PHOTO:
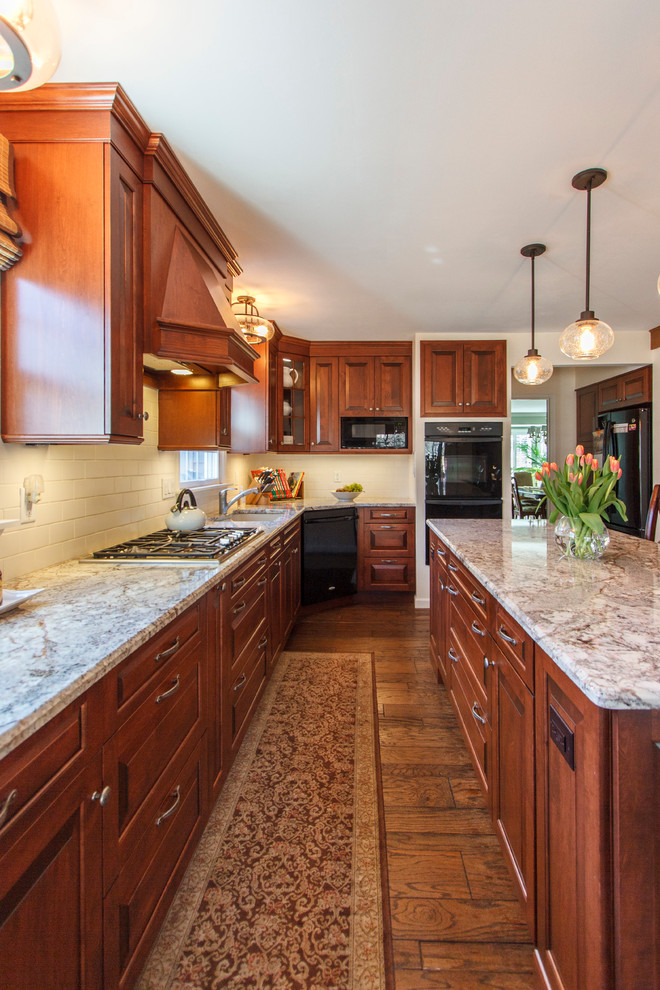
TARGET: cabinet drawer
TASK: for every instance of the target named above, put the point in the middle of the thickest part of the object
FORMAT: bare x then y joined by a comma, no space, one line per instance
174,814
387,574
471,715
515,644
472,642
462,581
41,766
246,685
247,575
247,620
148,660
396,513
169,715
389,538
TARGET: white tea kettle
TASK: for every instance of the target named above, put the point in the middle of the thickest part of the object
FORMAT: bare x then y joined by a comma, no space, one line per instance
184,515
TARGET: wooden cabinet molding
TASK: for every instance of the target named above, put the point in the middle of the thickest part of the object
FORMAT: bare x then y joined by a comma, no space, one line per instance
463,378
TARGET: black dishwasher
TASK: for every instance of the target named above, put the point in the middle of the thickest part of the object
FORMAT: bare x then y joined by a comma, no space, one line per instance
329,554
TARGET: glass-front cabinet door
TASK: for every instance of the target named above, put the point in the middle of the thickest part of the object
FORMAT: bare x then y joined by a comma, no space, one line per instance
294,391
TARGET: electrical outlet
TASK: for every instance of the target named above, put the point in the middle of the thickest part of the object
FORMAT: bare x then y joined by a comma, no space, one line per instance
337,475
168,487
26,508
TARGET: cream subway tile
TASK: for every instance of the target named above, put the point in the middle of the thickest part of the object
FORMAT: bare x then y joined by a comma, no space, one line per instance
61,532
47,512
73,509
93,486
138,483
103,503
23,563
100,469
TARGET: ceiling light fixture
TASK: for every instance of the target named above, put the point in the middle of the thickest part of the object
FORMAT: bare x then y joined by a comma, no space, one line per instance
29,43
532,369
255,328
588,337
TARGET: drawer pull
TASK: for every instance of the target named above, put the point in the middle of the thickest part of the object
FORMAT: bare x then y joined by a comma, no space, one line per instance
488,663
452,567
102,796
389,561
7,803
507,639
170,692
477,630
172,808
168,652
262,642
477,599
276,546
262,560
452,655
262,581
238,583
451,590
441,553
239,608
385,515
240,682
387,527
478,717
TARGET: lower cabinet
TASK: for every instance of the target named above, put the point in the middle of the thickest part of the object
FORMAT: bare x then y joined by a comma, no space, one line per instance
101,808
386,549
573,791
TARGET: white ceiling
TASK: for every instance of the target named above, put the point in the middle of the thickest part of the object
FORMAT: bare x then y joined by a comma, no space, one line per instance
378,164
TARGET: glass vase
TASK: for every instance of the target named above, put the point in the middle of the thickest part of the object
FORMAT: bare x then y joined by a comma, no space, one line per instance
576,539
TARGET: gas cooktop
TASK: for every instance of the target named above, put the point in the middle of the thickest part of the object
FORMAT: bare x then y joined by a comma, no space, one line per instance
202,546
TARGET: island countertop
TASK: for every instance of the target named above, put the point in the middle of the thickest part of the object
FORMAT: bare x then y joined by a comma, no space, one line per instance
598,620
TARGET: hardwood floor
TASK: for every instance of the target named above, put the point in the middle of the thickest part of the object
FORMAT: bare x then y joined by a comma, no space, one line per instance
456,921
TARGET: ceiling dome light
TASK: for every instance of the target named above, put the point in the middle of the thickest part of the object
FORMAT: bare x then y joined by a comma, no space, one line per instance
29,44
255,328
588,337
532,369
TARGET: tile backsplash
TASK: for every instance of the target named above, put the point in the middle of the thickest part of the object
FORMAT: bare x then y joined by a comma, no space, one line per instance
94,495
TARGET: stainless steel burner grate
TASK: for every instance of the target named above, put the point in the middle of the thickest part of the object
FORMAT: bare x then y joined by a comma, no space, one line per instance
202,545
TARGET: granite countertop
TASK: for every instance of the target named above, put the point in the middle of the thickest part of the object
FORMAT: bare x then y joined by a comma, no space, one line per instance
598,620
90,616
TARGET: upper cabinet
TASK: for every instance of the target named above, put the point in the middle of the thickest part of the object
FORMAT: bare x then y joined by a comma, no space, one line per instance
194,416
632,388
324,403
72,316
463,378
375,384
293,402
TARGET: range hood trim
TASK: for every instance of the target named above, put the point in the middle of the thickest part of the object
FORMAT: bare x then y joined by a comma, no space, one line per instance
222,351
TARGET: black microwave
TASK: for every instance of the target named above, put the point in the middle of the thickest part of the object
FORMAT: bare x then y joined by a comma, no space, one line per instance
374,433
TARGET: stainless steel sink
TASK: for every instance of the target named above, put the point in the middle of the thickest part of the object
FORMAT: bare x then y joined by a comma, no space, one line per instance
251,513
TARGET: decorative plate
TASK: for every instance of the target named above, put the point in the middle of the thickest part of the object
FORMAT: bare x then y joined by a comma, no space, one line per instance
11,599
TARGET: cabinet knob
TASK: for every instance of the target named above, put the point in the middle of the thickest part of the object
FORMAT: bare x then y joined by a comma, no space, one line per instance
144,416
311,443
467,403
460,403
102,796
488,663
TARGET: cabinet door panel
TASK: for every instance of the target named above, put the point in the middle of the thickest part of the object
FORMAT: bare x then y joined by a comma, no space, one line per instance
188,419
636,386
586,411
442,383
324,403
51,894
392,385
356,386
124,289
608,394
484,378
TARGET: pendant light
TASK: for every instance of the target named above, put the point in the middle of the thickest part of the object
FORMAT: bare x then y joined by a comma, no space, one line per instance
532,369
255,328
588,337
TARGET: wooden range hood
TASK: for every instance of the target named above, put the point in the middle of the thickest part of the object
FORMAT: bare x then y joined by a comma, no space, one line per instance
189,270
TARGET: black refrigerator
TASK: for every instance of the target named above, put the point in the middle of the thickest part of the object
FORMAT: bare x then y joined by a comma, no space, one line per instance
626,433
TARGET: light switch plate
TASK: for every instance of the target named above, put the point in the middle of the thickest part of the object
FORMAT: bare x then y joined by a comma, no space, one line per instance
168,487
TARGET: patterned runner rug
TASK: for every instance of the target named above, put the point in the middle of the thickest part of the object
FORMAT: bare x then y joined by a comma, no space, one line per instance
285,888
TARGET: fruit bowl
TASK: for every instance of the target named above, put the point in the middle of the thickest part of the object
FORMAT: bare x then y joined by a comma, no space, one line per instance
345,496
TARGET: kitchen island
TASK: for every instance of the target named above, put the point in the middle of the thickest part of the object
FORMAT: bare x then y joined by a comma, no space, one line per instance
553,668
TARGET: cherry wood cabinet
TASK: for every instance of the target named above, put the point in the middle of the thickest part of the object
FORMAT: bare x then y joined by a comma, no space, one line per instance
631,388
324,404
292,401
194,418
439,606
463,378
374,384
386,549
73,304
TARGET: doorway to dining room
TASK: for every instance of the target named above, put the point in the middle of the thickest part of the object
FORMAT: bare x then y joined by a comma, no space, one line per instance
529,435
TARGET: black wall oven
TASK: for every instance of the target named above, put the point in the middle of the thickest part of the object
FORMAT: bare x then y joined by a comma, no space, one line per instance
463,470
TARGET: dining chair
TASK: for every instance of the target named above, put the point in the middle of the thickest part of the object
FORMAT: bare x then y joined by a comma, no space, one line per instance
522,506
652,514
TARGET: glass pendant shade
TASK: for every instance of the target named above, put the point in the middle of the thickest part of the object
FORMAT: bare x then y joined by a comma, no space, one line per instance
587,338
29,43
255,328
533,369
